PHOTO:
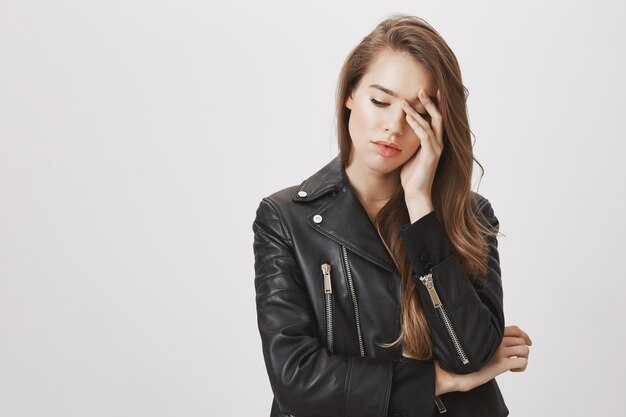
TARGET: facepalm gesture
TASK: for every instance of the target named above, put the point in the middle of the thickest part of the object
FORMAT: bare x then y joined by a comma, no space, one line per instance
418,173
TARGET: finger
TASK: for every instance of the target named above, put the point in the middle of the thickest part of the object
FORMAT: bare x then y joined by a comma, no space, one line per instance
433,111
521,351
425,137
431,108
516,331
518,364
513,341
417,122
420,125
422,122
418,128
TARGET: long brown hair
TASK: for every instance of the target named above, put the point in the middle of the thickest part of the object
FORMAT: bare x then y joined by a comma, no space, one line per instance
451,190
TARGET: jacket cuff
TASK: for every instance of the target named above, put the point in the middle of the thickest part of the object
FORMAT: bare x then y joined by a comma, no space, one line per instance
412,388
428,248
426,243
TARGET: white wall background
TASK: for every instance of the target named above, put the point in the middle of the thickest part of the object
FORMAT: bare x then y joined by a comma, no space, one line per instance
137,138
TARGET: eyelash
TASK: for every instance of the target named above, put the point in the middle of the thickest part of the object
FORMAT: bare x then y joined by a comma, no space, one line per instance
380,104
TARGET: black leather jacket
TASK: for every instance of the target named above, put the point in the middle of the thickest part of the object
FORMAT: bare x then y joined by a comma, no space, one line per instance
327,291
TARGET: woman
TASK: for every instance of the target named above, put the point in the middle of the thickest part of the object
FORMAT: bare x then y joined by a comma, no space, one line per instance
378,283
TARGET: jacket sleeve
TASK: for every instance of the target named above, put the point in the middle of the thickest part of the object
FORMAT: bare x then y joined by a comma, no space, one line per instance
468,327
305,377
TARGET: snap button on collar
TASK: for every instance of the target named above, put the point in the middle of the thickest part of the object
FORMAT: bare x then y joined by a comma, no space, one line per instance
317,218
302,193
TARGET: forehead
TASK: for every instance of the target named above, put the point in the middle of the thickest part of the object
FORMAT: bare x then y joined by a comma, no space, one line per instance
400,73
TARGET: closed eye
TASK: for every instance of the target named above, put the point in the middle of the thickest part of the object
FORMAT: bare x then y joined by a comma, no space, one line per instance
381,104
378,103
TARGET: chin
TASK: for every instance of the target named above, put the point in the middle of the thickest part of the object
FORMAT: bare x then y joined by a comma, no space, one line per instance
380,164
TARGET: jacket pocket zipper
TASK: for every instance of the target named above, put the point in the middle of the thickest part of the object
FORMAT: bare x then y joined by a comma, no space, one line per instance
328,294
427,280
354,300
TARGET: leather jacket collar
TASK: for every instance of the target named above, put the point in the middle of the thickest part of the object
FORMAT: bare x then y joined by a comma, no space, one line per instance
342,218
331,177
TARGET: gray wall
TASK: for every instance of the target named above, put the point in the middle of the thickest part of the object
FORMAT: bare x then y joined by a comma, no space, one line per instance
137,138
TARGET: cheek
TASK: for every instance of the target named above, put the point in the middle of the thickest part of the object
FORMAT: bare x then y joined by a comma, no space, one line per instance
363,120
410,147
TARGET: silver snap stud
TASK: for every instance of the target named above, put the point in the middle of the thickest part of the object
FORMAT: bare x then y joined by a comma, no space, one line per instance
302,193
317,218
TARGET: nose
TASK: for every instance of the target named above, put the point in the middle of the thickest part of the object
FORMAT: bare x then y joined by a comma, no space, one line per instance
395,122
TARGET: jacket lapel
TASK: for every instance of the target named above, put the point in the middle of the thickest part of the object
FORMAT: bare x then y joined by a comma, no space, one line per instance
342,218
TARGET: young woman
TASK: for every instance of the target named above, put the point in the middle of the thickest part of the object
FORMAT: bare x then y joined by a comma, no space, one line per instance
378,283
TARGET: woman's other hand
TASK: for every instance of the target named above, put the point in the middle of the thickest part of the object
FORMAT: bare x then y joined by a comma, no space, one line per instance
512,355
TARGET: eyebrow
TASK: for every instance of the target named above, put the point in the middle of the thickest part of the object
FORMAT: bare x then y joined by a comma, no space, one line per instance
394,94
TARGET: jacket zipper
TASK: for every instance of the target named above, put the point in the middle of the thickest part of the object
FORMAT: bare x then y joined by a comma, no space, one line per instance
440,407
354,301
427,280
328,294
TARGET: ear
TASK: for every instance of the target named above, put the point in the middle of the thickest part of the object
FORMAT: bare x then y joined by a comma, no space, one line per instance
349,102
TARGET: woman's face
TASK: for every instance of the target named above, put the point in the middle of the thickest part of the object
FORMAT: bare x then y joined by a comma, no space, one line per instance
376,114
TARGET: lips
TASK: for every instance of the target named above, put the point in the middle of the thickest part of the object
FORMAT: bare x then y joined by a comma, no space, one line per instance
388,144
385,151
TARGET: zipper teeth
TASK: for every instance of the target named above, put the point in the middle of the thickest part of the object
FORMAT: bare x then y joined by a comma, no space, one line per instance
427,280
353,294
455,339
329,322
328,293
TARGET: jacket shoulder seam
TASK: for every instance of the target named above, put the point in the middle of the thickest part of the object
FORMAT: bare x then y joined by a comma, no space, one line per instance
279,293
281,217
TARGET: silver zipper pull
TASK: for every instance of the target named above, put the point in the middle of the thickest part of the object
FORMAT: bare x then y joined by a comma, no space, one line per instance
326,270
427,280
440,406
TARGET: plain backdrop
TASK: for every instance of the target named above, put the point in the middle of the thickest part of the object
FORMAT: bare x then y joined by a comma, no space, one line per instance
138,137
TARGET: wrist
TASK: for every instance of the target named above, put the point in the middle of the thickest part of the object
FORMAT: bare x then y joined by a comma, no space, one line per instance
418,207
445,381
